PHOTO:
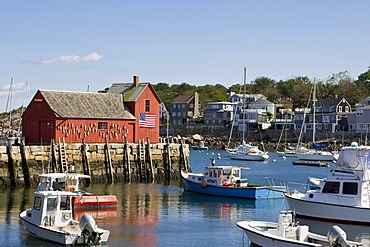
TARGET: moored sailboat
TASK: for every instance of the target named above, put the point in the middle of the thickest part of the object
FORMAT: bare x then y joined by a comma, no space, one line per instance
246,151
316,153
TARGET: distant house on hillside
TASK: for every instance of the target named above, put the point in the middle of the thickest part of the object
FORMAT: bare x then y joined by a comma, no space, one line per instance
249,98
283,105
75,116
219,113
186,109
144,103
359,121
331,114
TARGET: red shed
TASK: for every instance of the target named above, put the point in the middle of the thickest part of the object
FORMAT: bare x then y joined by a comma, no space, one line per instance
144,103
76,116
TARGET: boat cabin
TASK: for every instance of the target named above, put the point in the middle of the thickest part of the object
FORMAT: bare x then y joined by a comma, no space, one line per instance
61,181
347,184
51,208
224,176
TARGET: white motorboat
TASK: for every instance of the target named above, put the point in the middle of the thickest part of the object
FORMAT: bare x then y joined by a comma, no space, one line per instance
72,182
51,219
342,196
288,233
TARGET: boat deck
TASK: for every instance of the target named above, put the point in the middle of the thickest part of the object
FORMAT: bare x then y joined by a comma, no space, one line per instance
311,163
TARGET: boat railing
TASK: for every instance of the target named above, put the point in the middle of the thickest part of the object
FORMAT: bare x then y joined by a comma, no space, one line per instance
289,186
276,183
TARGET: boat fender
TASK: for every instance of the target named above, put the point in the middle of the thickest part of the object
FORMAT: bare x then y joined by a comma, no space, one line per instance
203,185
71,188
337,237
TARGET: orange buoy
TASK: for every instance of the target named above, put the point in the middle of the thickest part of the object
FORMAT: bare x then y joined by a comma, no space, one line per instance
203,185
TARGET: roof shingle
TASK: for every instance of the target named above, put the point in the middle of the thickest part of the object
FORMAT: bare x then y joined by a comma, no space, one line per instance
87,105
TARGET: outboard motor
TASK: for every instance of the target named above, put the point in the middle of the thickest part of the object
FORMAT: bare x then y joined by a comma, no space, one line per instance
337,237
90,230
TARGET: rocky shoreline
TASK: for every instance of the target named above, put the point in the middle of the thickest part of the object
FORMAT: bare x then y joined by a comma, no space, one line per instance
214,143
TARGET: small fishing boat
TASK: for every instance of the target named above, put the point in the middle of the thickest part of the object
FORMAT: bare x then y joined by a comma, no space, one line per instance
226,181
200,146
51,219
71,182
288,233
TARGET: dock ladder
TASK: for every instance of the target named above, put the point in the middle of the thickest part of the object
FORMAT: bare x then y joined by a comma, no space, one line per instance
142,161
62,156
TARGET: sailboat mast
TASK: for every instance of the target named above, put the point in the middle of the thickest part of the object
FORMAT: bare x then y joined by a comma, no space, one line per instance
245,87
314,112
9,104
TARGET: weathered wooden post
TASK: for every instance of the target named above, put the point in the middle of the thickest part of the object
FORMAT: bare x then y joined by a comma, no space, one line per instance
108,162
26,173
53,156
169,166
85,161
182,163
150,161
9,151
126,162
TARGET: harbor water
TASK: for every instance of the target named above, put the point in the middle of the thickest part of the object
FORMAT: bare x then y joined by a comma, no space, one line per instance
163,215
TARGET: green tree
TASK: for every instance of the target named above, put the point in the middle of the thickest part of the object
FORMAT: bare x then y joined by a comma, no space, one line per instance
212,93
364,78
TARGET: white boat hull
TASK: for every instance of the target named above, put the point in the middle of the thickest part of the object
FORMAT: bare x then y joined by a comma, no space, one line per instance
332,212
262,238
251,157
316,156
265,233
51,234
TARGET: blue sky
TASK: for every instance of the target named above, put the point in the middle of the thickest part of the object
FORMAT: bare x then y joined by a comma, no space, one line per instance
75,45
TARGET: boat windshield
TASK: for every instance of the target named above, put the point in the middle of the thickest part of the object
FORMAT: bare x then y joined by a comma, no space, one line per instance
52,203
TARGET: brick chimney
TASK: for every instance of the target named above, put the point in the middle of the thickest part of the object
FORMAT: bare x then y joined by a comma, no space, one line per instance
136,80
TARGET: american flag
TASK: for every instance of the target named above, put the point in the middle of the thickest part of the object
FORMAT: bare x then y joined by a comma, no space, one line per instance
147,120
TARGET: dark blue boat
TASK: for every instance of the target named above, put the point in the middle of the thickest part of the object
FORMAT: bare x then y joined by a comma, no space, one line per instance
226,181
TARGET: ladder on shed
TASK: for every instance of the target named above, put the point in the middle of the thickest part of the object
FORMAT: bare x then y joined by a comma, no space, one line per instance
62,156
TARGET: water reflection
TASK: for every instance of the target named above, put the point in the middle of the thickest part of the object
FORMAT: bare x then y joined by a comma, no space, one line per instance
9,205
218,207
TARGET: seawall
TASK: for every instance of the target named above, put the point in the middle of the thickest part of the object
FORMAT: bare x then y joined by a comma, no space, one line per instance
130,162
